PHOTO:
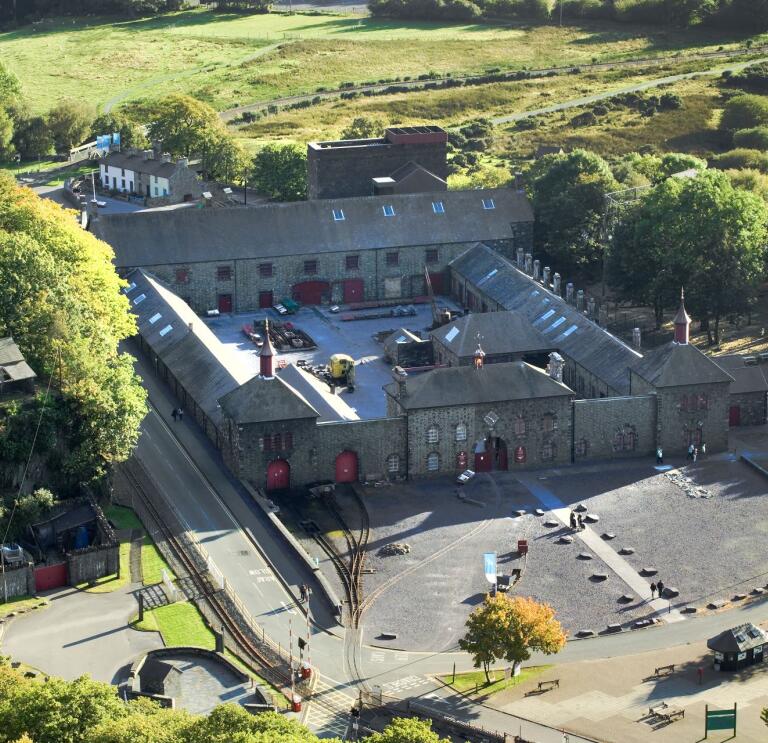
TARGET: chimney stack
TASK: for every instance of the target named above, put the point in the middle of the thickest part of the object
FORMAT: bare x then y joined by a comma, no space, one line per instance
479,357
682,322
266,355
591,308
183,162
555,366
528,263
165,157
520,258
569,292
556,284
636,338
148,155
401,377
580,300
545,277
537,270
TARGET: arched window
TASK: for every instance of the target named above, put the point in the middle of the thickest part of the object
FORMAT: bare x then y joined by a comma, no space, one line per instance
461,432
393,464
520,426
433,462
433,435
520,455
548,423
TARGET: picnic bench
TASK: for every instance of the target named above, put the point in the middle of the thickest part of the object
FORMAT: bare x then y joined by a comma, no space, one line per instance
547,685
664,670
664,712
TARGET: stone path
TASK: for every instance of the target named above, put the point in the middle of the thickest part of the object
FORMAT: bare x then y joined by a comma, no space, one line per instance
604,551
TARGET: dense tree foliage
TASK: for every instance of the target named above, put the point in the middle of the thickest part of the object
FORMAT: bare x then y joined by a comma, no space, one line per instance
131,133
745,112
60,300
702,233
69,123
407,730
750,15
568,193
363,127
508,628
183,125
280,172
21,10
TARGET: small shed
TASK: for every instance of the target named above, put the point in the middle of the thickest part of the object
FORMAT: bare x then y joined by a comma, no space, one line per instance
738,647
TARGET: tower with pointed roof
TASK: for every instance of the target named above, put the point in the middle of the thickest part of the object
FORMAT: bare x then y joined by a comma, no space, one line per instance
682,322
266,355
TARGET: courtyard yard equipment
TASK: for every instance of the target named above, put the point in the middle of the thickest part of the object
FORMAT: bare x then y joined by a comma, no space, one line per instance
465,477
666,712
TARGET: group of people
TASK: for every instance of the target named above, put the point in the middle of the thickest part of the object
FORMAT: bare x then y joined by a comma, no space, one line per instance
577,521
693,451
177,414
657,587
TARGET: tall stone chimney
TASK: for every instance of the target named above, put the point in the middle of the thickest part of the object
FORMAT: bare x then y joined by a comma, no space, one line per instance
520,258
545,277
528,263
591,308
580,300
537,270
556,284
636,338
569,292
682,322
555,366
401,377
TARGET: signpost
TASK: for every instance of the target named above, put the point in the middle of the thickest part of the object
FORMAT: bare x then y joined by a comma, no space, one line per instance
489,564
720,719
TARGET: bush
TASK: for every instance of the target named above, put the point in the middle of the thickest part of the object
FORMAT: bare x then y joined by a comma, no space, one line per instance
670,101
527,123
584,119
600,111
755,138
741,158
745,112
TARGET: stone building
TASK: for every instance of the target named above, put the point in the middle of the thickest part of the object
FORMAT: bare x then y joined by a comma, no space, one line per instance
352,167
150,174
316,252
748,398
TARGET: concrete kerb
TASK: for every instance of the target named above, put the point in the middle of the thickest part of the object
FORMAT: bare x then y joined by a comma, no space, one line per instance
752,463
328,591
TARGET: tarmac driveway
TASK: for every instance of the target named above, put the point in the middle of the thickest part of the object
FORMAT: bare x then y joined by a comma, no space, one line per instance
79,633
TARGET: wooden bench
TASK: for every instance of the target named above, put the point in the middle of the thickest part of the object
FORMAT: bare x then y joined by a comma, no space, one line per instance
657,709
665,670
547,685
672,713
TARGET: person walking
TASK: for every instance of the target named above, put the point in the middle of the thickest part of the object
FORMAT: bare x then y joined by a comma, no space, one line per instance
690,451
659,455
573,519
174,414
660,589
695,454
703,449
653,591
180,413
580,522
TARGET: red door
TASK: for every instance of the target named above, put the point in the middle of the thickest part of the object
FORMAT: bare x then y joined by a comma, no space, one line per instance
51,576
266,300
438,282
734,416
311,292
354,290
482,461
278,475
346,467
225,303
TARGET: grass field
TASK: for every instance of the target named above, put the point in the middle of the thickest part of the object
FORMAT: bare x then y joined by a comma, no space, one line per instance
21,603
474,682
233,59
179,624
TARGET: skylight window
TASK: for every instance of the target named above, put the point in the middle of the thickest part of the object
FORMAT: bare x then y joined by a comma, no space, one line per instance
451,334
167,329
389,210
154,318
128,289
139,299
438,207
556,324
338,215
546,315
488,276
570,330
488,204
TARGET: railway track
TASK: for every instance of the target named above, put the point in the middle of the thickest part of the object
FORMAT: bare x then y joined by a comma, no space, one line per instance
276,676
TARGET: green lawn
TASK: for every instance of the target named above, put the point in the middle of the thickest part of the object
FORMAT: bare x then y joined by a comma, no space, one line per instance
468,683
179,624
20,603
230,59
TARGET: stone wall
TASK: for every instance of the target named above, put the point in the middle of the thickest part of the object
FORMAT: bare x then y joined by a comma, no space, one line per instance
17,580
752,406
584,382
678,424
374,441
614,427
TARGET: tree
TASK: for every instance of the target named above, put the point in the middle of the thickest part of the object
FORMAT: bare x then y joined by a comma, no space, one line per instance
280,172
69,123
32,138
363,127
700,232
568,193
60,299
10,88
745,112
183,125
509,628
131,133
6,135
407,730
224,158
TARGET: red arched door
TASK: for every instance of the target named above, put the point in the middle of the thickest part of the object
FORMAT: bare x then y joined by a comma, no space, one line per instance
346,467
278,475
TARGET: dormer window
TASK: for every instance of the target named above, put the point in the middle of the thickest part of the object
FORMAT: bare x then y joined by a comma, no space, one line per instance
488,204
338,215
389,210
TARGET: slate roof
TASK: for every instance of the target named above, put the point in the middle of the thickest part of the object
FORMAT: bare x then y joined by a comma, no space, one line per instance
561,324
500,333
195,356
677,365
738,639
298,228
138,164
465,385
266,400
746,379
12,363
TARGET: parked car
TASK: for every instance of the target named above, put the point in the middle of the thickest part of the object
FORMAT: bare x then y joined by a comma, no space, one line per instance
465,477
11,553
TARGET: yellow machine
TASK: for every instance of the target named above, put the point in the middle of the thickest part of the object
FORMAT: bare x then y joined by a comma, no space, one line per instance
342,368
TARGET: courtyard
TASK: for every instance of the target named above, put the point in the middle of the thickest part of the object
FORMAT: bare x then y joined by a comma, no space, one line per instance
697,527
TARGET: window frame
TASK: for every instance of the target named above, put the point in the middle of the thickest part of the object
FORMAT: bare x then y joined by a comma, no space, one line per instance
266,270
311,267
224,273
488,204
352,262
338,215
433,456
460,432
389,210
392,258
438,207
431,256
433,435
393,458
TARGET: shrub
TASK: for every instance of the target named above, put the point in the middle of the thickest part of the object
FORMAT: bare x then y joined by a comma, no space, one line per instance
741,158
755,138
670,101
584,119
527,123
745,112
600,111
